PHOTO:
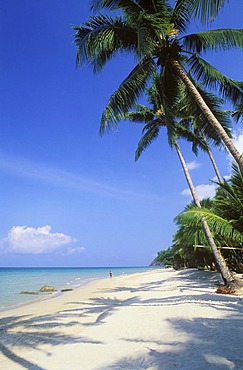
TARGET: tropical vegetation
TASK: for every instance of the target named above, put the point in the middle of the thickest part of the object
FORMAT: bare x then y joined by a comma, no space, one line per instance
154,32
170,62
224,215
186,126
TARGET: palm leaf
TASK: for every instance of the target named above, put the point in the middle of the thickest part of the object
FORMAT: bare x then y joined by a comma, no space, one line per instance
166,87
127,93
217,224
228,202
205,10
152,133
128,5
180,15
188,108
214,40
212,78
142,114
100,39
238,113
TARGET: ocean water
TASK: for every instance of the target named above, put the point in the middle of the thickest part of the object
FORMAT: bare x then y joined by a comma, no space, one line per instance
15,280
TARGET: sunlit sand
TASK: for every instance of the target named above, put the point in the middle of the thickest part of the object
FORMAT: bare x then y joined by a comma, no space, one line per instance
160,319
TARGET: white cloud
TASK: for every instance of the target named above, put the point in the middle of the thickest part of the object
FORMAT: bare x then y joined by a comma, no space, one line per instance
71,250
24,239
227,177
193,165
238,141
203,191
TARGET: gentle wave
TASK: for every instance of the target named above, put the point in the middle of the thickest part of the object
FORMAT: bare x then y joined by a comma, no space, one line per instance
15,280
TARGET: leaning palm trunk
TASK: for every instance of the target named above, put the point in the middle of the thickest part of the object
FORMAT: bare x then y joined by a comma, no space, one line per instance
209,115
210,154
226,275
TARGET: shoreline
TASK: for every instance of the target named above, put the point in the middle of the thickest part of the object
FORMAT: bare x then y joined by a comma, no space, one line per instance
44,296
159,319
88,283
60,278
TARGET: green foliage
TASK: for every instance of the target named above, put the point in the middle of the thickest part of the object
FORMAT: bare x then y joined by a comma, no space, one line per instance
228,202
166,257
219,226
224,215
205,10
238,113
154,33
212,78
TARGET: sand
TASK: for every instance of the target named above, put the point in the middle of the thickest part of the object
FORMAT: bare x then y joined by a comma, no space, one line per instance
160,319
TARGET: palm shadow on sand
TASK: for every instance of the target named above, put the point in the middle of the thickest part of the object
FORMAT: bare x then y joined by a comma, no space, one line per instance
218,349
211,343
100,308
26,332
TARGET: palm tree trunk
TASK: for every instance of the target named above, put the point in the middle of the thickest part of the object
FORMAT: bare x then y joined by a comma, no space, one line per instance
226,275
208,114
210,154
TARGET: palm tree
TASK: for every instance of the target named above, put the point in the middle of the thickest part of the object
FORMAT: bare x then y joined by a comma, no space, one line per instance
228,202
190,113
210,154
155,118
155,33
223,215
188,238
227,277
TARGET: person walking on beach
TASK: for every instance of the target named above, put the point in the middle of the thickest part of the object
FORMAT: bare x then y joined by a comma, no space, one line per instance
110,274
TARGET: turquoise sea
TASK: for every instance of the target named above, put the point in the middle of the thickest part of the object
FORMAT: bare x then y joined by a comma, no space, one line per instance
15,280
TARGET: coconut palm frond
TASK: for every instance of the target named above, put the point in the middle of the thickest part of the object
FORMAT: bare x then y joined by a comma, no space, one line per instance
167,85
188,108
102,37
129,5
214,40
124,98
212,78
181,15
237,114
183,129
228,202
142,114
205,10
217,224
151,133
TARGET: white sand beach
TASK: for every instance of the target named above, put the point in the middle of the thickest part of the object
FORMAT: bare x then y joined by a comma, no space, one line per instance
160,319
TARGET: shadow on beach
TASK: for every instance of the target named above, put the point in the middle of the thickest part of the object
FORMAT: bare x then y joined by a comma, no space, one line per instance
211,345
98,309
200,343
25,332
198,280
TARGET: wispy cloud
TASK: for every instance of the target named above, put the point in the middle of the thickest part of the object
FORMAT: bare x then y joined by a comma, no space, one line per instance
72,250
193,165
238,142
30,240
65,179
51,175
203,191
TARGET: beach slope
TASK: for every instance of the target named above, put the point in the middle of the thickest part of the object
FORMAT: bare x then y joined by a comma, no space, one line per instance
160,319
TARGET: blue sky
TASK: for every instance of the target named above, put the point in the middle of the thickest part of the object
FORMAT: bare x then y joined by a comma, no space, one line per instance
67,196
